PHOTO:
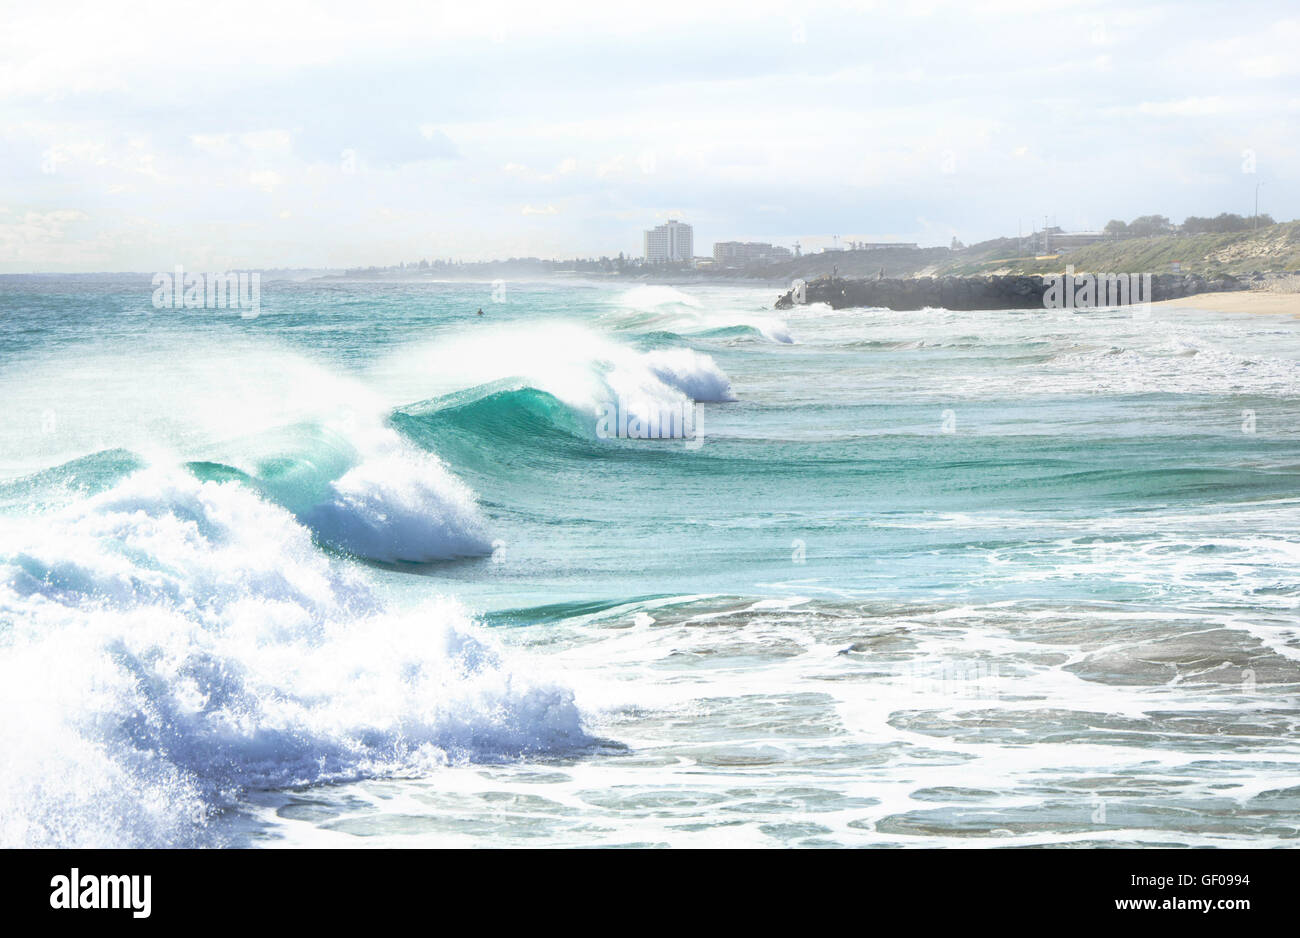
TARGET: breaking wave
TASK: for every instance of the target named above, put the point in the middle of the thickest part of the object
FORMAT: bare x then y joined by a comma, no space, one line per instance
173,643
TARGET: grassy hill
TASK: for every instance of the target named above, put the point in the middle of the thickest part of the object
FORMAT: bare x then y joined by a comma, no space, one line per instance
1273,248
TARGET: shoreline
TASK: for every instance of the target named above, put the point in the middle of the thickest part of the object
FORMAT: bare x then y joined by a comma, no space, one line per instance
1258,302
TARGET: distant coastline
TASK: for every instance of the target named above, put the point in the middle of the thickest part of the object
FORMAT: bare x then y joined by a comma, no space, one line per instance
1272,249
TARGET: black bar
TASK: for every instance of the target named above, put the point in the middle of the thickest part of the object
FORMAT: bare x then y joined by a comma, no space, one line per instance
297,888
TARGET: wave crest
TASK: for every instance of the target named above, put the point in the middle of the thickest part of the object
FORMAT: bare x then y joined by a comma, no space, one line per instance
695,375
176,642
401,507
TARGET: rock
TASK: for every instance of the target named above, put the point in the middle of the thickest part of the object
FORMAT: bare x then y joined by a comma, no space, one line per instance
961,293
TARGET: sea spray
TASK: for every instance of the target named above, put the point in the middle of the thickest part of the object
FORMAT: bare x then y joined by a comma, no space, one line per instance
587,371
173,643
401,506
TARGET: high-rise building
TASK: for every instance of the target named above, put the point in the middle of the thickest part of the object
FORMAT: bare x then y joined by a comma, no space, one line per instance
673,242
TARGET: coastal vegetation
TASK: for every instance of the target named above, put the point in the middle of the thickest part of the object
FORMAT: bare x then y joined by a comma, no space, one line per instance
1270,248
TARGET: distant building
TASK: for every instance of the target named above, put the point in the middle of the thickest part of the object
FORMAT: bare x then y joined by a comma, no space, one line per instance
672,243
1053,240
744,253
880,245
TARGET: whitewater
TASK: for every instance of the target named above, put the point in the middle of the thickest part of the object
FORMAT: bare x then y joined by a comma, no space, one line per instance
363,570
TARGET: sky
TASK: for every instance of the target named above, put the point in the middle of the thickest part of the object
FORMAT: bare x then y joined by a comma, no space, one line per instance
339,134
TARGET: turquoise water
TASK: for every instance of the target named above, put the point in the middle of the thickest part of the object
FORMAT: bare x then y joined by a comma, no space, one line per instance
367,569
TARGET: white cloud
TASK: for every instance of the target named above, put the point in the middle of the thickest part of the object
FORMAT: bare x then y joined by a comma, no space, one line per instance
265,179
1185,107
37,230
575,109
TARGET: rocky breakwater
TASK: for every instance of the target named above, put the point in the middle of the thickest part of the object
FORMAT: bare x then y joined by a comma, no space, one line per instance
1001,292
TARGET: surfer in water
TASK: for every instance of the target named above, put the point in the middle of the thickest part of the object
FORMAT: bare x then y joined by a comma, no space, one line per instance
480,311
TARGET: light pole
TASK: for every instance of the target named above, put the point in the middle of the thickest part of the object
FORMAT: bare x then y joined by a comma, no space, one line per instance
1255,226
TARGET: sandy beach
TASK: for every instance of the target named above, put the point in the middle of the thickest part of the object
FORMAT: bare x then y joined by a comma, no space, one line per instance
1241,301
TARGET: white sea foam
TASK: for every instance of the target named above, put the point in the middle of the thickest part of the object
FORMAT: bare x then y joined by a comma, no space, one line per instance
401,506
585,370
774,329
172,643
177,396
652,296
1059,352
695,375
359,486
695,322
651,308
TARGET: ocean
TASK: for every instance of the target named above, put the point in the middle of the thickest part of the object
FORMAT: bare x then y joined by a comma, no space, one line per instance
369,569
